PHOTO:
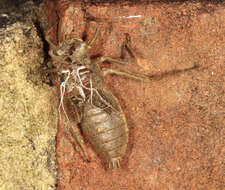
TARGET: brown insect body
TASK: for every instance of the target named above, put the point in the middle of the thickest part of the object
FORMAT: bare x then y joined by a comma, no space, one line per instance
103,122
94,107
107,133
97,110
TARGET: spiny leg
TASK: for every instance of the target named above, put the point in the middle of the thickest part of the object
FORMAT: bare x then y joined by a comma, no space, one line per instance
139,77
89,17
78,142
48,39
145,78
97,33
125,47
75,133
114,60
72,130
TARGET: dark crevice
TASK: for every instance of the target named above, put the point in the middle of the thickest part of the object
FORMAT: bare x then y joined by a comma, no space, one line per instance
41,34
45,67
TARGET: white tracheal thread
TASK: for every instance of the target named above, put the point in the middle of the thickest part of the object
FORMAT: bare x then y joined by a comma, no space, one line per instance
62,92
76,76
63,89
91,89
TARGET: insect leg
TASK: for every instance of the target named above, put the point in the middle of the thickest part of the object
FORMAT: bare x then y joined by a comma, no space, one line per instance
47,38
125,47
95,37
135,76
146,78
75,133
115,60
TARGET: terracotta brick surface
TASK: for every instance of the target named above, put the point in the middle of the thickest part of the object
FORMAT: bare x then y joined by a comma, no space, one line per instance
176,124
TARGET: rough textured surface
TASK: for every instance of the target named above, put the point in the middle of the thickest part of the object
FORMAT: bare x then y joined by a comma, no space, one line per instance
28,112
176,124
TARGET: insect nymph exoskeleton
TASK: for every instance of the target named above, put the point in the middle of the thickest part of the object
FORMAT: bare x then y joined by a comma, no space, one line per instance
107,132
96,109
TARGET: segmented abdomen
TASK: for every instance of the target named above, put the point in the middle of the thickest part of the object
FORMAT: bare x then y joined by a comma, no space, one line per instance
107,133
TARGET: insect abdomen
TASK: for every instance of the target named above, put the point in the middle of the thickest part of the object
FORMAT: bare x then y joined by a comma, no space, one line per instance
107,133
